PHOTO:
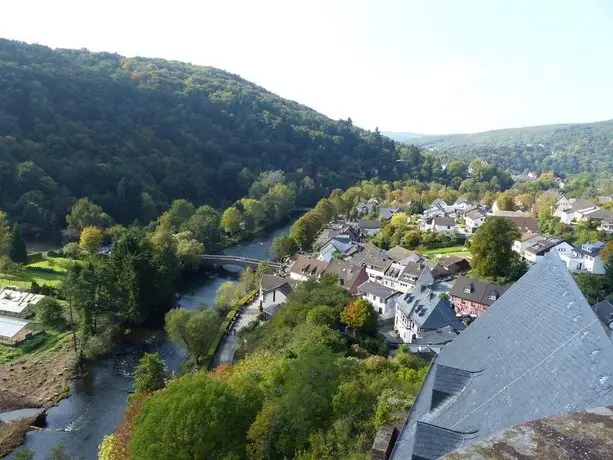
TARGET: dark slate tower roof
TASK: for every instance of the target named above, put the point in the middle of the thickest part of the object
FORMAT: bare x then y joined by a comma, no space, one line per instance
538,351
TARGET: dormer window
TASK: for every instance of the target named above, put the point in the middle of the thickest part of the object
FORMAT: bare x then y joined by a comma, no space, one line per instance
493,296
467,289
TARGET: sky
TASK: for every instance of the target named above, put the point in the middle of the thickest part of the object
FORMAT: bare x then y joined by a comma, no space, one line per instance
431,66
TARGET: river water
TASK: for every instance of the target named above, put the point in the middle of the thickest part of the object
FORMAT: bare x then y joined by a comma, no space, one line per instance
97,401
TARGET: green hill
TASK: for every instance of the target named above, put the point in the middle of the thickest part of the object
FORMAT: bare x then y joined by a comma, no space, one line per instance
133,134
567,149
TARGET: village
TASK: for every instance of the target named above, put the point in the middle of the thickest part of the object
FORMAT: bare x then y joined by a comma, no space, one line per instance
426,300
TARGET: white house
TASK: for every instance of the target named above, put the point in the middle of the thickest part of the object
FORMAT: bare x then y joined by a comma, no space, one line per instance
536,251
585,258
463,204
421,311
439,225
381,298
473,220
576,211
526,239
274,290
400,277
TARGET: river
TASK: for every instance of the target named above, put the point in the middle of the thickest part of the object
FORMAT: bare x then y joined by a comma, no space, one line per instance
97,401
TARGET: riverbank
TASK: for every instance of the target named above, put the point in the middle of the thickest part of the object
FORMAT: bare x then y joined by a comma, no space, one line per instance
36,380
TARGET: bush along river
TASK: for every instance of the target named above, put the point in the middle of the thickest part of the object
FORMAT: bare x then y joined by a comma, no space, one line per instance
97,401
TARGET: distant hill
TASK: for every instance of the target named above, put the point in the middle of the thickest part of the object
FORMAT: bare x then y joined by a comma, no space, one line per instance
133,134
565,148
402,137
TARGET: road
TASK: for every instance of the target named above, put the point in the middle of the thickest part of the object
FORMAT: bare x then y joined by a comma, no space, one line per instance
228,345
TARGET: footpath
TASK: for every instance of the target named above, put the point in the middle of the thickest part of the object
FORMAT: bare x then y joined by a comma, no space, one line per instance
228,345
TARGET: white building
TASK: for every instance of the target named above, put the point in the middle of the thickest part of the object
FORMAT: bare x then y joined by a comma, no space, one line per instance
306,267
536,251
421,311
569,210
439,225
585,258
400,277
473,220
17,303
381,298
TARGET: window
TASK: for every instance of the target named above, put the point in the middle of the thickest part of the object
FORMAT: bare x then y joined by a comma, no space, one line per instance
467,290
493,296
274,294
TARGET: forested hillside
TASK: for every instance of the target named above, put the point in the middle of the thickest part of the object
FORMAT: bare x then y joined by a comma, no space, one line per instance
565,149
133,134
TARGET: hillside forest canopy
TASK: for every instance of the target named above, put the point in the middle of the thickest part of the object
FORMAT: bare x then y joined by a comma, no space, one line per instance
134,134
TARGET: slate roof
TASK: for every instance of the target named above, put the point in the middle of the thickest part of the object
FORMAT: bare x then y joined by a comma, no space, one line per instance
444,221
426,309
377,261
544,245
538,351
480,291
398,253
436,337
475,214
581,204
376,289
599,214
387,213
272,282
463,199
369,224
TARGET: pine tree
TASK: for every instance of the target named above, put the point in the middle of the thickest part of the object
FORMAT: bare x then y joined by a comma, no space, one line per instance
17,247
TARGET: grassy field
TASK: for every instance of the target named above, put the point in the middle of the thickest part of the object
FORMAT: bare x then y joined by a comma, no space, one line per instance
39,272
459,251
38,345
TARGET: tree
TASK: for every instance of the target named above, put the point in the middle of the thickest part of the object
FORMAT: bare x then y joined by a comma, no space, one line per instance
204,227
226,297
149,373
506,202
192,329
323,316
5,234
608,277
607,251
50,313
179,213
18,251
85,213
184,421
231,220
491,248
360,316
283,246
91,239
190,252
399,219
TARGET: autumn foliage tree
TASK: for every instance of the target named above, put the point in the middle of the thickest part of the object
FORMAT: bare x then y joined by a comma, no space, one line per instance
91,239
359,315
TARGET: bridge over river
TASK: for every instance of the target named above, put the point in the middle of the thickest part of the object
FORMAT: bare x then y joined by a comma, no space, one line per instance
244,262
